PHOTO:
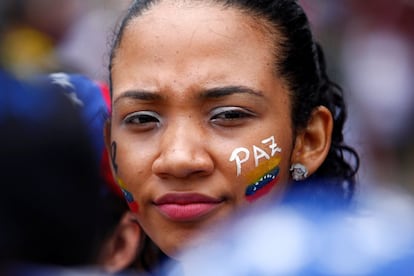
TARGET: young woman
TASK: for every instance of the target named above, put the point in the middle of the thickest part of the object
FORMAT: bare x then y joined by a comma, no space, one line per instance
217,105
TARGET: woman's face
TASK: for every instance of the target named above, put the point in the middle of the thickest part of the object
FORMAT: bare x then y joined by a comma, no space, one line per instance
200,122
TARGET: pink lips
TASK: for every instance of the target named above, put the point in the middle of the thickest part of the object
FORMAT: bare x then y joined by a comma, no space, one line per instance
186,206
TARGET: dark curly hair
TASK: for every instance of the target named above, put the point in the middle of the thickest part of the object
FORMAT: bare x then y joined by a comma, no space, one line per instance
300,61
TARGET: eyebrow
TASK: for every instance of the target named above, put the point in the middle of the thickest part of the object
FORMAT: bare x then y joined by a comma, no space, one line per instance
138,95
224,91
216,92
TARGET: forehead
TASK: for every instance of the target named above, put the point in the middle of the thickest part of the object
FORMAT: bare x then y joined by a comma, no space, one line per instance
172,12
196,20
186,37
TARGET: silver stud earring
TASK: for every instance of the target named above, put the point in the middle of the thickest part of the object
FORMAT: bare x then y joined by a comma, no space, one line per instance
299,172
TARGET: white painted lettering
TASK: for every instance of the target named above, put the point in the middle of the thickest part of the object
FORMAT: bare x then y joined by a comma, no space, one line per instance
259,153
273,146
235,157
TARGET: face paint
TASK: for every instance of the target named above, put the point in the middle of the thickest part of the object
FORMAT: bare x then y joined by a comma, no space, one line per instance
235,157
263,179
133,205
258,153
265,175
273,145
113,156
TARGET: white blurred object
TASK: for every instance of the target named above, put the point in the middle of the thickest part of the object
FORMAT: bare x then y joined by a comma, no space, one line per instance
376,239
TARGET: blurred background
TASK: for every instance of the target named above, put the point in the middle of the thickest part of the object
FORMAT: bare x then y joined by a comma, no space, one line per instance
369,46
43,36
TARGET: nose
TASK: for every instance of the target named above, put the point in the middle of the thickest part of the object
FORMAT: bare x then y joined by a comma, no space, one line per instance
183,153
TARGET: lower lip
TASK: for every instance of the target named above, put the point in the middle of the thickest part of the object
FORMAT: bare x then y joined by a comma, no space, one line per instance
186,212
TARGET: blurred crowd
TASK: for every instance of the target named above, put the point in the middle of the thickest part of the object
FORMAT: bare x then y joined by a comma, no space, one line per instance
44,36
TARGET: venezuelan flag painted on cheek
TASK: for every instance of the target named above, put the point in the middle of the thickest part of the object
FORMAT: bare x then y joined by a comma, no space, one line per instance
262,179
133,205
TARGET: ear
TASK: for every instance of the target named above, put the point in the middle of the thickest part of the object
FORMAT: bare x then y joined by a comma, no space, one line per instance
312,144
122,247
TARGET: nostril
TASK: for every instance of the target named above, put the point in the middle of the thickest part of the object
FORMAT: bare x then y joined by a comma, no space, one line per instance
180,171
201,172
179,165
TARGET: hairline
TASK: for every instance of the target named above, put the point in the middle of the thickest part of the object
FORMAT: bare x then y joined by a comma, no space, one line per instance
271,32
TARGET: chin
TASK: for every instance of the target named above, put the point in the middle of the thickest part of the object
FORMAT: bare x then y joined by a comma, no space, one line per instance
188,241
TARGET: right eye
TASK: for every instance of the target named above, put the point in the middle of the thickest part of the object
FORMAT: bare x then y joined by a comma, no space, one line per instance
143,119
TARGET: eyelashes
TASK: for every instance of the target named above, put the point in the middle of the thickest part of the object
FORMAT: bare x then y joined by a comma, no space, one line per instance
230,113
222,116
142,117
143,120
230,116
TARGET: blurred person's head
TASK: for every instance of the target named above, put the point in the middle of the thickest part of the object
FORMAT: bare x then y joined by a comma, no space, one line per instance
55,207
51,189
92,98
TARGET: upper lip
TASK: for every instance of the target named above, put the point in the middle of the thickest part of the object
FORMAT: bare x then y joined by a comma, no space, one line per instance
183,198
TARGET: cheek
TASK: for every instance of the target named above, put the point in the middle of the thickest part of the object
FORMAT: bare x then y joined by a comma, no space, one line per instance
132,203
258,168
262,179
126,176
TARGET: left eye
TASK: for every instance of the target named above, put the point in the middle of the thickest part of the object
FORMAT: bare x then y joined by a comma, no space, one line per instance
230,115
